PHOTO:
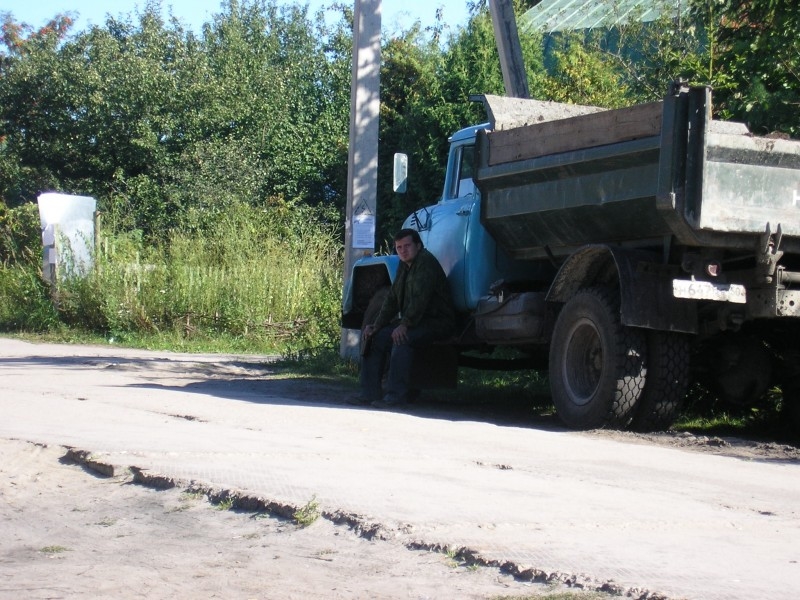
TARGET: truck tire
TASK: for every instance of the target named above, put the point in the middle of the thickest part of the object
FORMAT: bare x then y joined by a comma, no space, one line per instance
597,365
668,377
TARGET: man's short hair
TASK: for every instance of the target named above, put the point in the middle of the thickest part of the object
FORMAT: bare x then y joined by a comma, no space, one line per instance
412,233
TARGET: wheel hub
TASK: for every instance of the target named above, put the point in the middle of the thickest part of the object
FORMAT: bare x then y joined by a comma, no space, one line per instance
584,365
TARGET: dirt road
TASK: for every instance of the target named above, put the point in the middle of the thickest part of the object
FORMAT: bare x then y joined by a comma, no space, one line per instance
644,517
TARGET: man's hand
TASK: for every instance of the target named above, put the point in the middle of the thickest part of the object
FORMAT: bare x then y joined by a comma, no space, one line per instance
400,335
368,331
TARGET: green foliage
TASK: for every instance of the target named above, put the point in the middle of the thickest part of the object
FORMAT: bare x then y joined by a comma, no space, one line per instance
704,413
24,298
320,362
748,52
20,237
53,549
272,276
425,91
757,46
632,62
308,513
162,125
583,75
168,128
225,504
409,123
25,303
673,47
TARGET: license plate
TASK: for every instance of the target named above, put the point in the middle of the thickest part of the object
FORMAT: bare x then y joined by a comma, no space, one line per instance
706,290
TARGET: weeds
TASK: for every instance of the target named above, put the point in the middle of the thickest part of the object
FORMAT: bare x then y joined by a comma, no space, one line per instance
319,362
248,281
307,514
54,549
453,558
226,504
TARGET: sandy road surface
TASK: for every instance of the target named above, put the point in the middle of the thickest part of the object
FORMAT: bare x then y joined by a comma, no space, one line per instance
644,519
68,533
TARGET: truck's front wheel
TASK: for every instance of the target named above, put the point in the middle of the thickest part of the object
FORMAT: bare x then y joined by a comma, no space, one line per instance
597,365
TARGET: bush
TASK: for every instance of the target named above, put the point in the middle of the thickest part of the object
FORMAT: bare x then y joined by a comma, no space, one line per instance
271,276
20,235
24,300
24,297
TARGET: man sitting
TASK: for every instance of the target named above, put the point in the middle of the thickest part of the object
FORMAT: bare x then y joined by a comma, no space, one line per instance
417,311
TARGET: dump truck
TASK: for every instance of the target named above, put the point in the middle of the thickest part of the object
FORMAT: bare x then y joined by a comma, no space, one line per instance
630,252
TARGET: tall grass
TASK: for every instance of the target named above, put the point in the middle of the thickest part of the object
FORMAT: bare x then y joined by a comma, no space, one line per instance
268,279
24,301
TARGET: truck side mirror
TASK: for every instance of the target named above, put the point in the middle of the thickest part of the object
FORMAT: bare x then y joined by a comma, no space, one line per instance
400,177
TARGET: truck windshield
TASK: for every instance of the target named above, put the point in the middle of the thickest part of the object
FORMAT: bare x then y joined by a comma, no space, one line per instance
462,184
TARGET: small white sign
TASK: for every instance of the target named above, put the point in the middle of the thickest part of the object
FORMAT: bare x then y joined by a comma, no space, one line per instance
364,231
363,226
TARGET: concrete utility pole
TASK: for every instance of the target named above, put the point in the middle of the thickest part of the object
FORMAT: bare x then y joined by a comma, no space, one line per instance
362,155
505,34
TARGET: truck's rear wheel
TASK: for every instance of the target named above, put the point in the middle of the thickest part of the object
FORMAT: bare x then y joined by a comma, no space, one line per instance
667,381
597,365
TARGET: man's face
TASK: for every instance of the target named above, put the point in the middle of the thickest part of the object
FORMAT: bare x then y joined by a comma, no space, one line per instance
406,249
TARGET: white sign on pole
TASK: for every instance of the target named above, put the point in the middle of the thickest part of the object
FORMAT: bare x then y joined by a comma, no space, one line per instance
363,226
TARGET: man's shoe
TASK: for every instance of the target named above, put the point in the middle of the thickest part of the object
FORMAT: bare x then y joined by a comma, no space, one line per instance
390,401
358,400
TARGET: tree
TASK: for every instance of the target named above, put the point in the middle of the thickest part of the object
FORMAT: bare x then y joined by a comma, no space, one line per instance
165,127
425,87
25,58
757,46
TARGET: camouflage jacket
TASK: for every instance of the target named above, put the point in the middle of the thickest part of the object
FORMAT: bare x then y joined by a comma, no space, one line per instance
420,297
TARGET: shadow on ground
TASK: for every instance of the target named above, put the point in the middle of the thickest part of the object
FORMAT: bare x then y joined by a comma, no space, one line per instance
258,380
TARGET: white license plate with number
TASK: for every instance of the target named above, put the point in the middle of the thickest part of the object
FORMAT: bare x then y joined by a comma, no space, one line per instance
706,290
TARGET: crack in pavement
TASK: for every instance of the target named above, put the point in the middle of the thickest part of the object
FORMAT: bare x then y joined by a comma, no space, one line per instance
245,502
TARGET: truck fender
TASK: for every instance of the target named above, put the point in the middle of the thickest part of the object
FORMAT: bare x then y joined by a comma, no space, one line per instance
644,283
369,274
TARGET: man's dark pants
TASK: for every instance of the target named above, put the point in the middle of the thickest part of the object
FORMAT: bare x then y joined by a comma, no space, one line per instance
400,358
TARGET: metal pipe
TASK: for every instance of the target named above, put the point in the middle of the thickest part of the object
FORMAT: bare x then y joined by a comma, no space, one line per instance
789,277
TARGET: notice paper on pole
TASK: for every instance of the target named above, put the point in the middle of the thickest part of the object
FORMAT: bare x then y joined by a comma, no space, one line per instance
363,226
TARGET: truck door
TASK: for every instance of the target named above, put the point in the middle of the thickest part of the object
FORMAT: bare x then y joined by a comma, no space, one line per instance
450,219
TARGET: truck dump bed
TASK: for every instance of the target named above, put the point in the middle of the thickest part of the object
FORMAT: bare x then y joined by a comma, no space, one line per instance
636,176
